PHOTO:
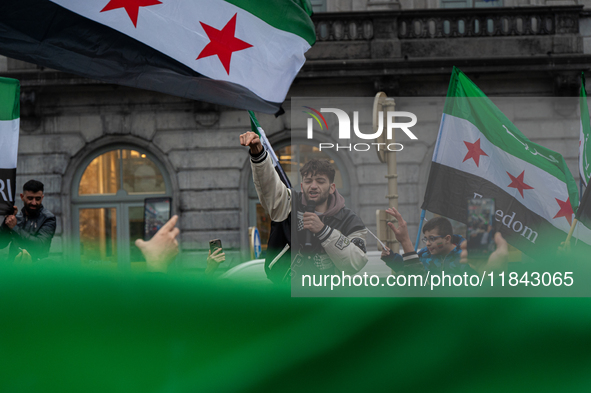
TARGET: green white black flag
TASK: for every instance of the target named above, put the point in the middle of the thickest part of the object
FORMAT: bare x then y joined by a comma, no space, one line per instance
9,131
480,153
585,136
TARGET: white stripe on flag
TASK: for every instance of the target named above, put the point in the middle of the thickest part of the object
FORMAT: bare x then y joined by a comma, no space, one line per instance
173,28
9,143
546,188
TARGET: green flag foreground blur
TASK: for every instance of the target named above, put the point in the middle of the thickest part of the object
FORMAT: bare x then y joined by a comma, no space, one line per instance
65,331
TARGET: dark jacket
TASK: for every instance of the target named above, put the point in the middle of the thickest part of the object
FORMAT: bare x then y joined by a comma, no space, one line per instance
338,247
311,260
31,233
423,261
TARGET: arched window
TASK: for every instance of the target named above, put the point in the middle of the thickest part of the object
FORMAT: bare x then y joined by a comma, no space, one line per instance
293,157
108,204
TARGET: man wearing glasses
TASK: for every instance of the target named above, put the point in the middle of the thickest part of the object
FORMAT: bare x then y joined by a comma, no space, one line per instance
441,252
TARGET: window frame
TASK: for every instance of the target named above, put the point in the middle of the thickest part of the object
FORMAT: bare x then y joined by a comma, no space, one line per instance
121,201
121,195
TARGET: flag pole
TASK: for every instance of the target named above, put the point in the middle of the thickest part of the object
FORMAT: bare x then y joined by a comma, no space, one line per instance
570,233
420,228
256,127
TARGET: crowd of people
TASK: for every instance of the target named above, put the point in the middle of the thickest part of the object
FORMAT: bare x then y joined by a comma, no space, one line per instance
325,237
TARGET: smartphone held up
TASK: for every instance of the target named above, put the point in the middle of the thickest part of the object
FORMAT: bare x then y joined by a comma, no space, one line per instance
157,212
214,245
480,233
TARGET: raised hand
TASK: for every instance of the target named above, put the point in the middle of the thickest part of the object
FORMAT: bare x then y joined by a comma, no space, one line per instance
252,140
401,232
162,248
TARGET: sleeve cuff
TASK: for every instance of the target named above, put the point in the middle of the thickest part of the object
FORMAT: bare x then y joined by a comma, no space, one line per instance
324,233
393,261
410,256
258,158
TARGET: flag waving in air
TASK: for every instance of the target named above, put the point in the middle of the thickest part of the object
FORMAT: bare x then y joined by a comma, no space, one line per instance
239,53
584,136
9,131
480,153
256,128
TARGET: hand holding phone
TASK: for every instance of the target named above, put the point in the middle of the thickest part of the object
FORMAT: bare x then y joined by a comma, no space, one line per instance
215,257
156,214
480,228
214,245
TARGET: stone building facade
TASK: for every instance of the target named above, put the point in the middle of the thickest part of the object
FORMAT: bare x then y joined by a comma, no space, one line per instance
406,49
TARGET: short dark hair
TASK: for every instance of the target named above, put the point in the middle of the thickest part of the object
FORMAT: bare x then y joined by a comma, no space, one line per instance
318,167
441,223
33,186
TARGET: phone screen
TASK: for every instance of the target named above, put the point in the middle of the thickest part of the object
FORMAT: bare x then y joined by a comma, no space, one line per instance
481,229
214,245
156,214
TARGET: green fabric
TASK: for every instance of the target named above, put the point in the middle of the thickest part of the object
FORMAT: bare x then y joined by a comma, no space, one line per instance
82,332
287,15
9,99
586,127
254,123
465,100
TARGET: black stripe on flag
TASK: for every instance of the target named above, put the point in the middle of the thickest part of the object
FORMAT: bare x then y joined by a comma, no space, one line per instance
7,191
584,211
44,33
447,194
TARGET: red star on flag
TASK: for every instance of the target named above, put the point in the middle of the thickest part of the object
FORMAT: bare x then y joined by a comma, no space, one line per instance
131,6
222,43
519,183
566,210
474,152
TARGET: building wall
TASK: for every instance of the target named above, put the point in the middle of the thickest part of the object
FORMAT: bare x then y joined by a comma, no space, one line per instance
368,5
65,120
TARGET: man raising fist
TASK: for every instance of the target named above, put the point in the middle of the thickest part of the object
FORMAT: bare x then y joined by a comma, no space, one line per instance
326,237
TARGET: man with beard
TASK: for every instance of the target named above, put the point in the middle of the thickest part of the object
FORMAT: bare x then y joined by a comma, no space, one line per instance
327,238
30,230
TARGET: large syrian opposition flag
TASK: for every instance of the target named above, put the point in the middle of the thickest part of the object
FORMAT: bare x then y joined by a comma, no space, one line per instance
9,129
584,136
480,153
240,53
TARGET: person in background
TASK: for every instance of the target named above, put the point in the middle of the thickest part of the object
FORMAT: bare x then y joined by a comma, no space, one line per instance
30,231
442,249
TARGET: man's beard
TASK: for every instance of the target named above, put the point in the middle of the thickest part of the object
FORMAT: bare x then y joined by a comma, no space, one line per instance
32,212
319,201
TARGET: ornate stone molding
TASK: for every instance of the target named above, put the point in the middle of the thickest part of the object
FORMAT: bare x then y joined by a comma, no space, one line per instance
498,22
344,29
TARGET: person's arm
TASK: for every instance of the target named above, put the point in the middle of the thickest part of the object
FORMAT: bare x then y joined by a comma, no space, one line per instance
348,253
41,241
497,261
401,232
161,250
214,260
274,196
407,263
412,262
